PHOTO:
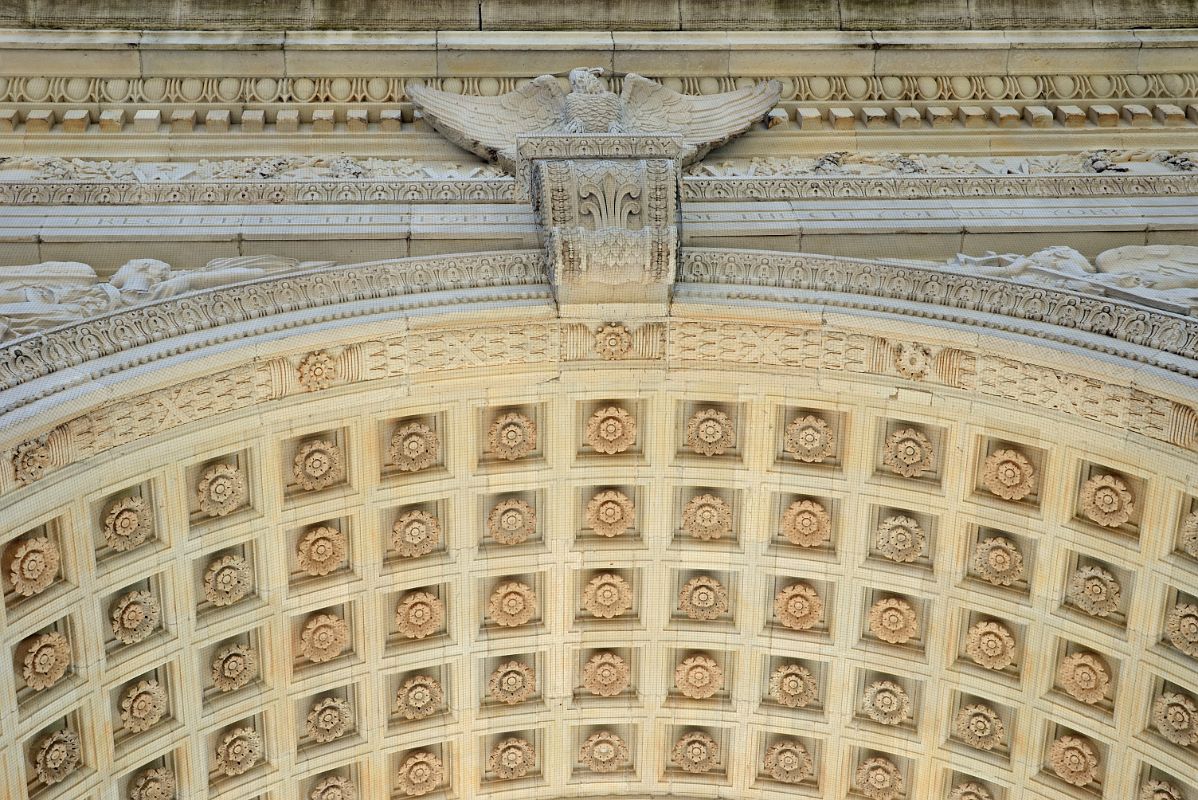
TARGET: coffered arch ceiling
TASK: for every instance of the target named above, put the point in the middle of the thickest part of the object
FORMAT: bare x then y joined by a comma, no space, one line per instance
457,546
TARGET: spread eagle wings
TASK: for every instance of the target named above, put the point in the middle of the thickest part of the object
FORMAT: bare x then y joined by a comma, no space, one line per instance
488,126
704,121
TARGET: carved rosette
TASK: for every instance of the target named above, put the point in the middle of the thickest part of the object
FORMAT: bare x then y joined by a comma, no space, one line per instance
512,758
607,596
44,659
512,604
908,452
57,756
1084,676
886,702
809,439
329,719
1107,500
606,675
416,533
335,787
1094,590
512,522
322,550
1009,475
1189,535
710,432
512,682
998,561
419,614
610,513
806,523
699,677
792,685
603,752
970,791
233,667
613,341
798,606
317,370
1175,716
1181,627
1073,760
420,774
324,637
979,726
703,598
318,465
32,565
512,436
879,779
127,523
239,750
414,447
227,580
912,360
696,752
419,697
707,517
30,460
900,539
611,430
1160,790
893,620
990,645
157,783
134,616
143,705
221,490
788,762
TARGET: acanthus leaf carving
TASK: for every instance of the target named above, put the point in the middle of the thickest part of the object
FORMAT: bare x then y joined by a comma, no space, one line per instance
710,432
707,517
1094,590
1175,716
1107,500
334,787
156,783
990,644
998,561
44,659
900,538
1084,676
227,580
322,550
57,756
798,606
1181,627
1009,474
886,702
128,522
908,452
511,436
221,490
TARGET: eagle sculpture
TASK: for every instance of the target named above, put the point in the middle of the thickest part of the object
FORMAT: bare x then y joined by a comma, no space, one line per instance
489,126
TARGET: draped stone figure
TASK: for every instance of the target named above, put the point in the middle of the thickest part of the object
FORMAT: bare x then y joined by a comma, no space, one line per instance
38,297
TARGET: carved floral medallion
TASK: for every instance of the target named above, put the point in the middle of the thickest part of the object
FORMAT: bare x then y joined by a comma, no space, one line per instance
415,533
606,675
329,719
414,446
1160,790
512,758
317,370
979,726
1181,628
32,564
1084,676
879,778
318,465
1009,474
420,774
696,752
900,538
886,702
809,439
418,697
512,604
699,677
611,430
1175,716
511,436
221,490
710,432
334,787
793,685
607,596
240,749
908,452
1094,590
970,791
234,666
997,560
227,580
128,522
57,756
512,682
419,615
990,645
143,705
44,659
613,341
322,550
323,638
806,523
1107,500
798,606
157,783
1073,760
1189,535
703,598
604,752
610,513
134,616
512,522
788,762
893,620
707,517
